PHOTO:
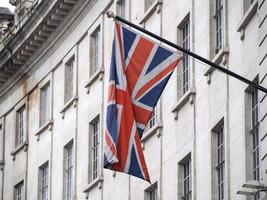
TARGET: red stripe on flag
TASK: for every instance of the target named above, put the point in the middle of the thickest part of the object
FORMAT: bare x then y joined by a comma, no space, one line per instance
141,115
137,62
153,81
110,145
127,119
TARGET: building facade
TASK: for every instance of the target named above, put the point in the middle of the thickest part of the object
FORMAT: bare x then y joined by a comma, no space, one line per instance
207,135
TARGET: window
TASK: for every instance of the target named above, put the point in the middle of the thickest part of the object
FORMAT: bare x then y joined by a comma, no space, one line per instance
68,171
69,77
255,134
94,149
187,181
121,8
185,31
154,119
19,191
21,115
219,25
148,4
43,182
152,192
95,51
45,104
220,162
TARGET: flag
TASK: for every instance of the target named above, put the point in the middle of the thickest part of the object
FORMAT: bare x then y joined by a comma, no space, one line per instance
139,71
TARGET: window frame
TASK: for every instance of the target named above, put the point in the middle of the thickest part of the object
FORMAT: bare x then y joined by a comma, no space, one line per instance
42,120
121,8
95,63
68,169
219,25
21,134
20,186
255,134
69,89
43,179
218,153
94,149
187,167
151,193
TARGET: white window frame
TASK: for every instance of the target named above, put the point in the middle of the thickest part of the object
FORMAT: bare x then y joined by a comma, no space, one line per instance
19,191
95,54
184,29
43,189
21,125
94,149
68,170
187,179
121,8
255,134
45,119
151,193
219,25
69,75
220,162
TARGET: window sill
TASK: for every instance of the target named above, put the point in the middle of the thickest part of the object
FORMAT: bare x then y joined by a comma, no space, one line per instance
188,96
221,56
73,101
150,132
2,163
98,75
150,11
246,19
97,182
48,125
23,146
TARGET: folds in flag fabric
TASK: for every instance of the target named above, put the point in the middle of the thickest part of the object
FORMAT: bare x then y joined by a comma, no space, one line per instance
139,71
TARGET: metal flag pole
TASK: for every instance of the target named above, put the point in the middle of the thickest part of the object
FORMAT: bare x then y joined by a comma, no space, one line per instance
110,14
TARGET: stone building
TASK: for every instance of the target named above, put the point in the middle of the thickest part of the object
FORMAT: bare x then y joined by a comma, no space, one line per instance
206,138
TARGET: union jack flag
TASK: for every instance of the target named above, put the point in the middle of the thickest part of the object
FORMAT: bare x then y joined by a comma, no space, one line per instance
139,71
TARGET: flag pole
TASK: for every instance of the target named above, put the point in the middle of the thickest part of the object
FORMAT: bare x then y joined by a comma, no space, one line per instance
110,14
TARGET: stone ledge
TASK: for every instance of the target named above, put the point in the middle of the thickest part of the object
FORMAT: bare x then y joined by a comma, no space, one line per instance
221,56
150,11
97,182
188,96
73,101
246,19
97,75
48,125
23,146
150,132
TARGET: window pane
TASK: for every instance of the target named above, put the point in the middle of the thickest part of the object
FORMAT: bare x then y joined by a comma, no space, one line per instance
94,150
68,171
121,8
69,75
186,44
44,182
187,185
220,162
20,125
95,52
19,191
255,134
45,104
219,25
